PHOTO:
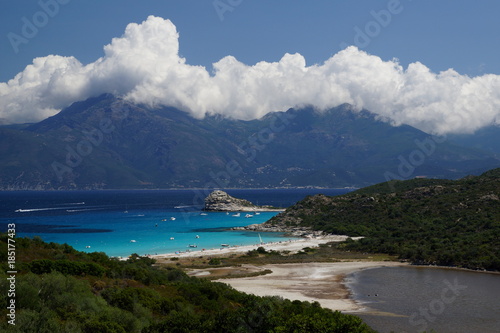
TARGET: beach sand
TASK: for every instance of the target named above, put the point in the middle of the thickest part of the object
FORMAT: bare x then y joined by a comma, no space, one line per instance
320,282
286,245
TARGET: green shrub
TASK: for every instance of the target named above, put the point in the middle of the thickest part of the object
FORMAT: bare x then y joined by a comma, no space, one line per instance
214,261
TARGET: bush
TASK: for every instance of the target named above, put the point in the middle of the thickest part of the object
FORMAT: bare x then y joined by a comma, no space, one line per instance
66,267
214,261
261,250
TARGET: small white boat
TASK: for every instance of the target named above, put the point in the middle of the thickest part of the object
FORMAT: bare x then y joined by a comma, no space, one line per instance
197,236
236,215
172,238
257,213
203,214
172,218
133,241
248,216
193,245
87,247
224,245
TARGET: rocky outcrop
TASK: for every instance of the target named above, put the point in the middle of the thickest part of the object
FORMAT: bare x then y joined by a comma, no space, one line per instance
220,201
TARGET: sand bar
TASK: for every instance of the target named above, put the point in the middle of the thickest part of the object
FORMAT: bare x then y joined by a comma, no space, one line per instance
320,282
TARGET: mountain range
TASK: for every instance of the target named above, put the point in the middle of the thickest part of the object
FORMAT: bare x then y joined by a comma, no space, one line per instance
106,142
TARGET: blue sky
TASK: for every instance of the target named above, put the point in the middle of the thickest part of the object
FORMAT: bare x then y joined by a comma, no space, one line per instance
463,35
398,70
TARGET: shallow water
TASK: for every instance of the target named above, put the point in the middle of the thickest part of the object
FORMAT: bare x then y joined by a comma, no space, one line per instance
120,223
416,299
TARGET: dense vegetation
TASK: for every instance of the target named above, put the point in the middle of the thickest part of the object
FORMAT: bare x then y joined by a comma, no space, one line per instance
427,221
59,289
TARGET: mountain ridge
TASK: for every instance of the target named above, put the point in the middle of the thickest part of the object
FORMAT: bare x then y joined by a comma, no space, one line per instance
107,142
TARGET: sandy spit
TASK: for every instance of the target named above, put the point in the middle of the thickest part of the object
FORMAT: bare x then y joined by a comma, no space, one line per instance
320,282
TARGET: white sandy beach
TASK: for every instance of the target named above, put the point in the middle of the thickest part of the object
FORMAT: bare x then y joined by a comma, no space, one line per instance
320,282
288,245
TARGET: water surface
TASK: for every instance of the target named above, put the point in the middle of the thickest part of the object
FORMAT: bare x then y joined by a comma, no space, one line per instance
416,299
120,223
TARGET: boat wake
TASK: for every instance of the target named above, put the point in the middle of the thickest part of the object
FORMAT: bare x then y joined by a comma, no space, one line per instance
74,207
82,210
37,209
72,203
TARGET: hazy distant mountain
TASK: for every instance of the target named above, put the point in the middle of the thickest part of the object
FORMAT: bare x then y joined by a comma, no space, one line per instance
105,142
487,139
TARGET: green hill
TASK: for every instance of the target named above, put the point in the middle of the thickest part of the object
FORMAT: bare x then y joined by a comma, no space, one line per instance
426,221
59,289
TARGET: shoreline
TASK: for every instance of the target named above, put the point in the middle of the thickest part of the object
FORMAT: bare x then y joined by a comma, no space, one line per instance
463,269
320,282
242,209
313,282
181,189
294,245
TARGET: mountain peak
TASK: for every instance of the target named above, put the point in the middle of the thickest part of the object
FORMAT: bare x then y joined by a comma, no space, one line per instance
107,142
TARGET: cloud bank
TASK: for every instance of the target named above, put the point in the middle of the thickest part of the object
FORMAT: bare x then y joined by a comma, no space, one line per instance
144,66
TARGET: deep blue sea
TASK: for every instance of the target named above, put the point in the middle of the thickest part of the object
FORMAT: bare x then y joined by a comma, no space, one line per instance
122,222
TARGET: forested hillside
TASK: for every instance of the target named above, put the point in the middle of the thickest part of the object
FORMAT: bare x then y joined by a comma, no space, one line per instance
58,289
427,221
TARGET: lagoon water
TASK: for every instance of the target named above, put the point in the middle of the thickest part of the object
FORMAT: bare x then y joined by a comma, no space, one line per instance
416,299
120,223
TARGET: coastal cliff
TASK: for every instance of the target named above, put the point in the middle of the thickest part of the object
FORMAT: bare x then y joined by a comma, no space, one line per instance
220,201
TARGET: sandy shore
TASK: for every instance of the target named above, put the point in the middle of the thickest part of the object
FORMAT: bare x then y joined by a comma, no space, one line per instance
320,282
288,245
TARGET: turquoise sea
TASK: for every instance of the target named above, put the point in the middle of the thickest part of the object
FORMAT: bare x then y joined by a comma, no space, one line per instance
122,222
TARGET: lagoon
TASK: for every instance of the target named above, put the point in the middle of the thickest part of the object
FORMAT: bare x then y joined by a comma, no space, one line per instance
416,299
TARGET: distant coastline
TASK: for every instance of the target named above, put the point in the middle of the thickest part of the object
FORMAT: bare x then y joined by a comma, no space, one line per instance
36,189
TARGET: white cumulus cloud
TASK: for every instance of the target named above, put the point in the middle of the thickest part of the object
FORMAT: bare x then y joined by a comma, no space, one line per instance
144,66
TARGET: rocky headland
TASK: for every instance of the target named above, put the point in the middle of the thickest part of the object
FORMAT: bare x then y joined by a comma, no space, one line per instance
292,231
220,201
